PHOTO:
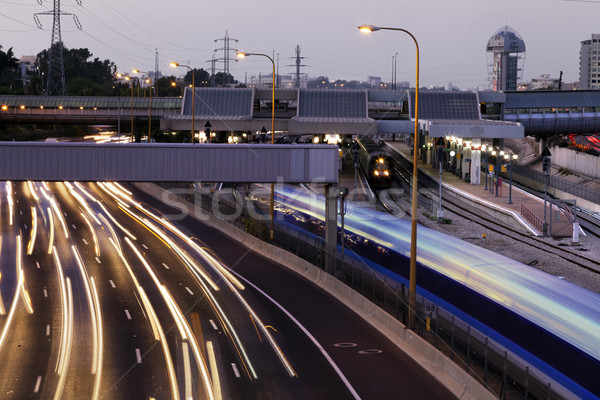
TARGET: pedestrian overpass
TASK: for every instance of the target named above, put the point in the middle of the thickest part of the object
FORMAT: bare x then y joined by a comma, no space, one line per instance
157,162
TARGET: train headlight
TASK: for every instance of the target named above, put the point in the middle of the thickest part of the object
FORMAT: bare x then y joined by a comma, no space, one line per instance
386,172
376,173
380,160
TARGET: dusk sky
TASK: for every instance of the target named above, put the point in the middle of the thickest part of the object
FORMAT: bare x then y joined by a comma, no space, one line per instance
452,35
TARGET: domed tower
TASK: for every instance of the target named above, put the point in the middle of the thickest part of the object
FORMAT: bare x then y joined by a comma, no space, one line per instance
506,58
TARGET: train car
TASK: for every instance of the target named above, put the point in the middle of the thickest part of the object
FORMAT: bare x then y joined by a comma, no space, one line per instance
375,163
550,323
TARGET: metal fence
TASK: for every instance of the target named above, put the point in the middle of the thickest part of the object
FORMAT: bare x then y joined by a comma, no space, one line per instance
506,376
558,183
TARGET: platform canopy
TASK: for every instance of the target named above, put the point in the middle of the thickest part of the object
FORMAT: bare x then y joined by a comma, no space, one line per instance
469,129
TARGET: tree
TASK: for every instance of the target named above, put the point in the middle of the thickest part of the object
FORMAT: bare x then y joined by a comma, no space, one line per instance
222,79
201,77
8,69
97,76
322,82
166,87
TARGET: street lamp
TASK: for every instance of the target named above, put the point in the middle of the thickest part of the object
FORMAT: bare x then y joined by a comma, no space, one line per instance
137,71
241,54
130,79
514,157
174,65
413,228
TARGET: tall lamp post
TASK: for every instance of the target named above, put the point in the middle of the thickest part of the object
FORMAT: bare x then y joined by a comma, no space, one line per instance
413,229
510,161
137,71
174,65
241,54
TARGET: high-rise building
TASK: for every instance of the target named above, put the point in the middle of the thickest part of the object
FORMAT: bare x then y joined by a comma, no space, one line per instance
589,64
506,55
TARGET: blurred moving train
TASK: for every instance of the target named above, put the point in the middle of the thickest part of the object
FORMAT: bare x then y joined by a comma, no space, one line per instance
375,163
550,323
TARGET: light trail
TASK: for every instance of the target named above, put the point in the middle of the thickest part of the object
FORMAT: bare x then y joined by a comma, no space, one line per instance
116,222
10,202
93,231
67,338
99,362
157,329
51,238
96,354
13,307
31,244
2,308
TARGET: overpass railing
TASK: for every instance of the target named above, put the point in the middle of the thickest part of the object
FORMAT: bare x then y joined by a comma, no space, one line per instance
503,373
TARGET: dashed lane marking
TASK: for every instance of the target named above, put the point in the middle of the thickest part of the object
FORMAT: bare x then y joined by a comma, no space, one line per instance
236,372
38,383
138,356
112,283
189,291
84,241
127,314
212,323
165,265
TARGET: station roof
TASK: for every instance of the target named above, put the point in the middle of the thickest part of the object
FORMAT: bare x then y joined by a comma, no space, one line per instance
471,128
552,99
102,102
445,105
219,103
318,105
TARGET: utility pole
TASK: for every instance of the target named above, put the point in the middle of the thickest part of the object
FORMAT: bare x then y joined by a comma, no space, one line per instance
56,65
297,64
226,49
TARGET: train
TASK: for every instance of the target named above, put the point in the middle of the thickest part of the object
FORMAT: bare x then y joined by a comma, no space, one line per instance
550,323
375,163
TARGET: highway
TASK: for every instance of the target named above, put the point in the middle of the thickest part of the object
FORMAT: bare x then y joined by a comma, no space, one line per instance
103,297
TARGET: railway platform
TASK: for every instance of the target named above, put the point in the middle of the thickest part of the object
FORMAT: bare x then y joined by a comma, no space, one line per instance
526,210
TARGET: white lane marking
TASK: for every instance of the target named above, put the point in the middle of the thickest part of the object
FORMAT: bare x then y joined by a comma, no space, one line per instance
25,225
127,314
212,323
38,383
73,225
189,291
84,241
138,355
20,212
45,293
65,213
144,246
47,329
37,264
165,265
98,260
308,334
111,283
236,372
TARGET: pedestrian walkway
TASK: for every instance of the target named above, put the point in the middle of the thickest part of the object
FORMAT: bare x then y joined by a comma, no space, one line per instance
526,209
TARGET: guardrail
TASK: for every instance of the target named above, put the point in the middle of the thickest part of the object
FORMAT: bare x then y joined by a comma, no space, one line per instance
532,218
503,373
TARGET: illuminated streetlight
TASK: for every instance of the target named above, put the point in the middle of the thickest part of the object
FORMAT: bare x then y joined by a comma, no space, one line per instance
413,230
137,71
175,65
241,54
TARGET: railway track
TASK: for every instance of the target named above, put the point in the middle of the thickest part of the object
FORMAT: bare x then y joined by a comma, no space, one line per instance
569,253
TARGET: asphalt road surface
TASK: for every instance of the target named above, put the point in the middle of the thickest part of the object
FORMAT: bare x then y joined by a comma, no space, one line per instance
102,297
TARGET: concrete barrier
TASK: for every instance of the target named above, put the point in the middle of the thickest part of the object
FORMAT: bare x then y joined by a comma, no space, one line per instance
441,367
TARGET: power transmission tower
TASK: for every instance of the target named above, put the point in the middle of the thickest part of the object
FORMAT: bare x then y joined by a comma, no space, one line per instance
226,56
56,64
212,62
298,64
